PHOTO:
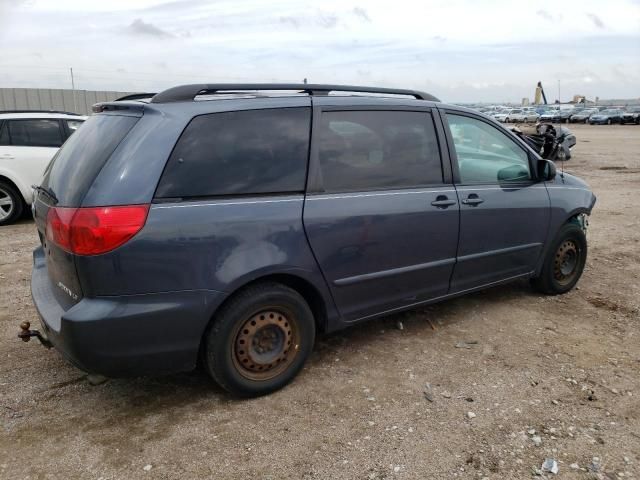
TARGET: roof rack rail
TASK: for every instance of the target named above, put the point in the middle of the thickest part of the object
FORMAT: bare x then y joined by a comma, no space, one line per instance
41,111
189,92
135,96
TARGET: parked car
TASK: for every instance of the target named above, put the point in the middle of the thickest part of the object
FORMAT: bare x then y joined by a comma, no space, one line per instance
28,141
524,115
558,115
235,229
550,116
608,116
503,115
583,115
565,115
631,115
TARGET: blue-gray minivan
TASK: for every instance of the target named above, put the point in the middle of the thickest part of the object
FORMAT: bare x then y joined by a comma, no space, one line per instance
229,224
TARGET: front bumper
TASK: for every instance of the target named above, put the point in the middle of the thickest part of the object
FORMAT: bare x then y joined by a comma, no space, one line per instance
127,335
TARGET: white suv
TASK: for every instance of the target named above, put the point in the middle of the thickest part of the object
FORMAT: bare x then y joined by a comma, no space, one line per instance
28,141
524,115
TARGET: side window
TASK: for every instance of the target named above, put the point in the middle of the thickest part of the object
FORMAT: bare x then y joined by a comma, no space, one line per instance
35,133
73,125
369,150
485,154
243,152
4,134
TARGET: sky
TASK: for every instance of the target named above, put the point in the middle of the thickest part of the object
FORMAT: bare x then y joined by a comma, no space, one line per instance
458,50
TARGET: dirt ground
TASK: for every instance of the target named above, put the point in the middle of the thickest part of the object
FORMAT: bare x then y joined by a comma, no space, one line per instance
546,377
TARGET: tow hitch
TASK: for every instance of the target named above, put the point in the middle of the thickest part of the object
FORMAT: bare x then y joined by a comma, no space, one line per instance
26,334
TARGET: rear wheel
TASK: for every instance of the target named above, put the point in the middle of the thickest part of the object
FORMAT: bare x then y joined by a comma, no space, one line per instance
10,204
259,340
564,262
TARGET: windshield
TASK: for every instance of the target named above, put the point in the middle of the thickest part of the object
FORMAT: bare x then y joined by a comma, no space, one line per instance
609,112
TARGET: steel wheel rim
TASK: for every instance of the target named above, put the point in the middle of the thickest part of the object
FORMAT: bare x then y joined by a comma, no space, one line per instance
266,344
566,261
6,204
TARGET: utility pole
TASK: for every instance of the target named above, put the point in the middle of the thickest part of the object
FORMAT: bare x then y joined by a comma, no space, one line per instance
559,101
73,91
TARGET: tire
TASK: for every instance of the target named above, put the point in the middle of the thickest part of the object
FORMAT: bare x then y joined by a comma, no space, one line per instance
608,121
276,350
586,121
564,262
11,204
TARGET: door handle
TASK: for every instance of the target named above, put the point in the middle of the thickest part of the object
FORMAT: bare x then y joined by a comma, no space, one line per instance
472,200
442,201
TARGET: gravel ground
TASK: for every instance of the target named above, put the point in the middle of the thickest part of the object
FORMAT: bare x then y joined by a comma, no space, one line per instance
515,378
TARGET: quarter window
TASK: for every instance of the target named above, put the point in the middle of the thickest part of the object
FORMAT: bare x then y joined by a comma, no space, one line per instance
242,152
73,125
35,133
370,150
485,154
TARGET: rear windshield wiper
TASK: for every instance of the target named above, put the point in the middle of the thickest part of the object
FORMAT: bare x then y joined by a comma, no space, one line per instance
46,191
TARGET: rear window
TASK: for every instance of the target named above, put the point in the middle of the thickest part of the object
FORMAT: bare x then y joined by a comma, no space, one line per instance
239,153
78,162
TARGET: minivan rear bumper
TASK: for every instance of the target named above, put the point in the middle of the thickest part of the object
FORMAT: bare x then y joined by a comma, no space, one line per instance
128,335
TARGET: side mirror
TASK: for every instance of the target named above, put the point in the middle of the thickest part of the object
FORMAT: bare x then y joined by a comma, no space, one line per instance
513,173
546,170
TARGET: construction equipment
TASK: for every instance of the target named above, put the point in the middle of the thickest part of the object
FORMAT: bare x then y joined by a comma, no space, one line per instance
540,95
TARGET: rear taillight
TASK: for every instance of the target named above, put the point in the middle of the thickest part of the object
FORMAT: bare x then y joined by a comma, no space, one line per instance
94,230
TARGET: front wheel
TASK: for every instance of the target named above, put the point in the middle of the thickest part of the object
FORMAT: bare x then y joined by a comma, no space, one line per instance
259,340
564,262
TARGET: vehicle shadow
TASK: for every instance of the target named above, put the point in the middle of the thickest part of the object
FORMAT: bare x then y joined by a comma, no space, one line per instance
156,393
151,408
